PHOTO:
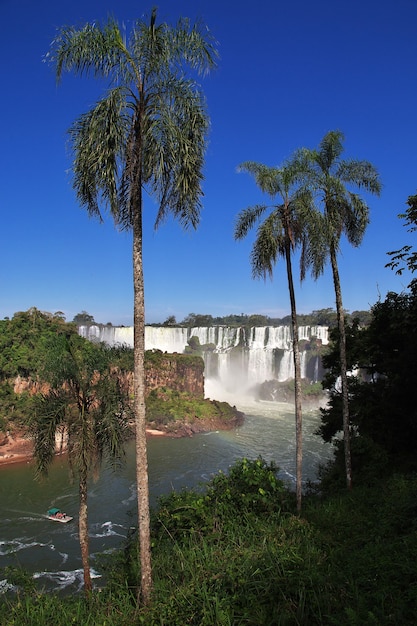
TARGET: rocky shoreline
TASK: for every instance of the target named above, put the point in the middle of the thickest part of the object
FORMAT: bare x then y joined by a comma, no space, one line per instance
188,429
15,449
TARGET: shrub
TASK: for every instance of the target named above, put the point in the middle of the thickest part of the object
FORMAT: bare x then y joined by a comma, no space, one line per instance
250,486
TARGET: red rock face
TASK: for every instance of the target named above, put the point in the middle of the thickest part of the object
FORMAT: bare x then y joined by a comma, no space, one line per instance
174,371
31,386
177,373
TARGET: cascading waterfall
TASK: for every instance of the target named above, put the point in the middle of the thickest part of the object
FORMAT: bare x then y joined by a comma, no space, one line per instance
237,357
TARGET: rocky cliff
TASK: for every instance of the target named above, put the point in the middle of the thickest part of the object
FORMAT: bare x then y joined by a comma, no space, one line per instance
175,403
176,371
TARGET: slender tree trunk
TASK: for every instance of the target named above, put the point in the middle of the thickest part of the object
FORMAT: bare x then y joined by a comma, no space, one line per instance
343,368
139,406
83,531
297,380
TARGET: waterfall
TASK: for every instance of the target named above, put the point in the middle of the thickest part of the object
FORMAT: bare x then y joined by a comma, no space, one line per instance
238,357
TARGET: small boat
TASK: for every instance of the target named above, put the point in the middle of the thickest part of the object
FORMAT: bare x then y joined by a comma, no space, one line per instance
56,515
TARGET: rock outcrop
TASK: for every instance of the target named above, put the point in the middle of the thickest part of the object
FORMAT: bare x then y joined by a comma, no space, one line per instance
176,371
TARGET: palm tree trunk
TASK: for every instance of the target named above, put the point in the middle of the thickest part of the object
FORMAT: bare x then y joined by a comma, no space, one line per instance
343,367
83,531
297,380
139,407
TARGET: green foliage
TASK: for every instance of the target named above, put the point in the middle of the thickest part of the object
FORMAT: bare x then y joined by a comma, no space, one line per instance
363,318
320,317
369,462
382,399
157,358
196,348
24,350
325,317
370,538
19,578
194,345
14,407
22,340
406,257
85,400
249,486
83,318
257,320
170,321
122,358
166,406
349,559
194,320
312,390
284,391
41,344
152,106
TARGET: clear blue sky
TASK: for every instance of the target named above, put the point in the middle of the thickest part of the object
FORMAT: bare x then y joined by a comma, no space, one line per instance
288,73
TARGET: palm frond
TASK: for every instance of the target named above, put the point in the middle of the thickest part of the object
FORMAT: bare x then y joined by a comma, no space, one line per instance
362,174
150,48
196,45
286,221
269,244
246,219
330,149
98,141
92,49
268,179
356,219
317,237
49,417
174,149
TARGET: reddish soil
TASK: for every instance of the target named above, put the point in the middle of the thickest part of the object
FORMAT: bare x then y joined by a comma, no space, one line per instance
15,448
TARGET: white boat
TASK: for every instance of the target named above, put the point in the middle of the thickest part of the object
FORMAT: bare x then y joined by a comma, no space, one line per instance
56,515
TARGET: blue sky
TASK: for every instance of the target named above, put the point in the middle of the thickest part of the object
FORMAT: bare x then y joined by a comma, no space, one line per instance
288,73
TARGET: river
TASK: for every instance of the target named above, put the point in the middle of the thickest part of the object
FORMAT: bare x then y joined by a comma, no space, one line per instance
50,551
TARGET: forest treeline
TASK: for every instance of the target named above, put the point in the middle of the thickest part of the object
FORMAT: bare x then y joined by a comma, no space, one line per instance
320,317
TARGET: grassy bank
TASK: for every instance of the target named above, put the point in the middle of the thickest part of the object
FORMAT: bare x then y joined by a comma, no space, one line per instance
238,554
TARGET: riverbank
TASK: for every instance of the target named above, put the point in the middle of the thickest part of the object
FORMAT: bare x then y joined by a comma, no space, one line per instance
15,449
18,448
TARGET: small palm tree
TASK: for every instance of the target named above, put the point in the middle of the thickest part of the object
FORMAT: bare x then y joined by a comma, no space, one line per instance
86,409
278,236
330,178
148,131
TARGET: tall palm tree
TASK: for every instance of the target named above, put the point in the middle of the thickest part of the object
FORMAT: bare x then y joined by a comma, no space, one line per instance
149,130
277,236
342,212
87,409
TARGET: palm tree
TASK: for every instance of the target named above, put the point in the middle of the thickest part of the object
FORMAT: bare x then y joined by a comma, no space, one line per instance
342,212
279,235
85,408
149,130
